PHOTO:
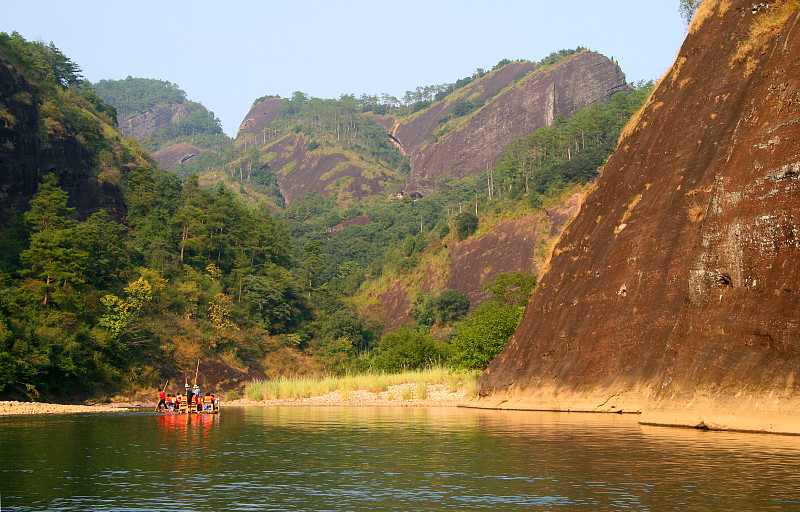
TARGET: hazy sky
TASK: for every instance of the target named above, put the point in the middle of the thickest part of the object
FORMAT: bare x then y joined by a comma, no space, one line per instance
225,54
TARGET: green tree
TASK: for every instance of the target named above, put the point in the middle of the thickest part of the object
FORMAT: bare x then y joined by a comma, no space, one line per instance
275,300
192,220
483,334
54,257
466,224
512,288
450,306
48,208
687,8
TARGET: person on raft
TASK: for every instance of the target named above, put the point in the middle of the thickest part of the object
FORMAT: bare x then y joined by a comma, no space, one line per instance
196,393
162,400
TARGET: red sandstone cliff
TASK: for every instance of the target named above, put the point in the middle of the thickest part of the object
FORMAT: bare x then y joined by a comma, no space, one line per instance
260,115
532,103
150,121
518,99
675,291
512,245
177,154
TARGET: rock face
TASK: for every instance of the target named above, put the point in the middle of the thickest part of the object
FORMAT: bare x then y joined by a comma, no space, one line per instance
150,121
510,246
299,171
177,154
675,291
25,158
260,115
564,89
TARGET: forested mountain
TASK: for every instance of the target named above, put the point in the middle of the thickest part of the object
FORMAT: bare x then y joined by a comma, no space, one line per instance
272,254
158,114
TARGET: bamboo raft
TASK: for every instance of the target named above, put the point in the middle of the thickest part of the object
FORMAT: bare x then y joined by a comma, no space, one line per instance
207,406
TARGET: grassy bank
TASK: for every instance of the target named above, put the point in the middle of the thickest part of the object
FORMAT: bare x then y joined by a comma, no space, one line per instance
308,387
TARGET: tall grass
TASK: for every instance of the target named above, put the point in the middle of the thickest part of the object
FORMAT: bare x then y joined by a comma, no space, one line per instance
306,387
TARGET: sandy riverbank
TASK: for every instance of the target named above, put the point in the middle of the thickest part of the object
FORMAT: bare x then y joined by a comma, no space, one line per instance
11,408
402,395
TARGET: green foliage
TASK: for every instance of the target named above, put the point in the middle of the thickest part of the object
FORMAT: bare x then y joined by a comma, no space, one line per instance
275,300
687,8
444,309
408,349
512,288
569,151
466,224
347,324
340,123
556,57
482,335
450,306
43,63
132,96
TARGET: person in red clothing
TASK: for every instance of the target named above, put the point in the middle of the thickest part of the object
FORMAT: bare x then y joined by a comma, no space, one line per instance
162,400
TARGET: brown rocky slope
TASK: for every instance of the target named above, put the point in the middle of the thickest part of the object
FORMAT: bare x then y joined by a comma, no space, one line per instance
535,101
675,291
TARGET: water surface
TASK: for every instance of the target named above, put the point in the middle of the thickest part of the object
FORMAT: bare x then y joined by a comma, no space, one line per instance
370,459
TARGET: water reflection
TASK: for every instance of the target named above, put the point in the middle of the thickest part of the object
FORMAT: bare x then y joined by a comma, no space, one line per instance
364,459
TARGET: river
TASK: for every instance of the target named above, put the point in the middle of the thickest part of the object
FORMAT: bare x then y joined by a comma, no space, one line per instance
387,459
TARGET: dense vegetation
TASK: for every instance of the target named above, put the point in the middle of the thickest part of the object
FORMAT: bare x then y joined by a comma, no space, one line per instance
133,96
95,305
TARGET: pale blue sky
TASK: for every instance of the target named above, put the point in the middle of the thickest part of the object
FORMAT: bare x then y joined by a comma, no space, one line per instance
227,53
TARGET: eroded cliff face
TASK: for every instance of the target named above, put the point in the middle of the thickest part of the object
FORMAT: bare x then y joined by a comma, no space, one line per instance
518,100
260,115
25,157
299,170
512,245
176,154
153,120
675,291
563,89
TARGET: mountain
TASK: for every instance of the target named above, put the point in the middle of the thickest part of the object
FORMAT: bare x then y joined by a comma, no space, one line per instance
517,99
69,133
116,275
158,114
674,292
343,147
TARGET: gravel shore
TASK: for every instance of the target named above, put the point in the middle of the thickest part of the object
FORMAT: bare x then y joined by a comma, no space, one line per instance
19,408
401,395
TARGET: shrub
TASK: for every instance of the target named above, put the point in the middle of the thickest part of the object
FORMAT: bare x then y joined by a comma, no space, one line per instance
466,224
484,334
408,349
450,306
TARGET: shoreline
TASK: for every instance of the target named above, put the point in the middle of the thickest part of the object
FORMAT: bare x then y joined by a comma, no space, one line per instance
16,408
437,396
362,398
